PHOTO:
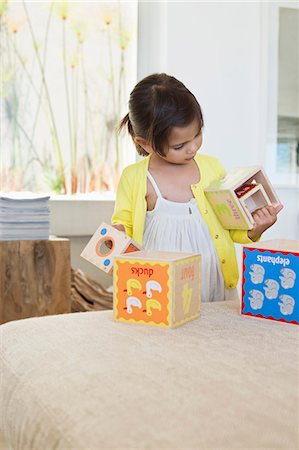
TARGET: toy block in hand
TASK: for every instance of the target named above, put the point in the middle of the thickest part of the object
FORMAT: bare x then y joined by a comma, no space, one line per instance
157,288
270,287
107,242
242,191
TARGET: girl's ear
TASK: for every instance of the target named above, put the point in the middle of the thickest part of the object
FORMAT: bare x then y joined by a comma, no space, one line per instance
143,143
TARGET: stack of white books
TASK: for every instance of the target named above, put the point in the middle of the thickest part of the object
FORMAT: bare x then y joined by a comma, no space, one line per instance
24,216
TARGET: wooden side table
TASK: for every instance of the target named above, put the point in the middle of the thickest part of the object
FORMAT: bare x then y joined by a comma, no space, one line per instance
35,278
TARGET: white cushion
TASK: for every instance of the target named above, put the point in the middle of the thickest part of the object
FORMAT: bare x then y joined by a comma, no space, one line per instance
84,381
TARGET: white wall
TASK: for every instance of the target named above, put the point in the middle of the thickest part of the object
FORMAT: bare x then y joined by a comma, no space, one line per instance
214,49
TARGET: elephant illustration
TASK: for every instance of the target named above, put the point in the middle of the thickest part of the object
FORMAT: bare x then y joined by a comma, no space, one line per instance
257,273
286,305
256,299
288,278
271,289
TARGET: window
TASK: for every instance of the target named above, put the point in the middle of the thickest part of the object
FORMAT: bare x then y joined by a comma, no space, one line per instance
287,153
67,70
282,90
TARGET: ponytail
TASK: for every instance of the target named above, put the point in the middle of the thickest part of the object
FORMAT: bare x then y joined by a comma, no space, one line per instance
126,123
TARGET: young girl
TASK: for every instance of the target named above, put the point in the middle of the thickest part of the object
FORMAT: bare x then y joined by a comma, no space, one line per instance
160,200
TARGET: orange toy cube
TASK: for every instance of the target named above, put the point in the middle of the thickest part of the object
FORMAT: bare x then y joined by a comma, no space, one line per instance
157,288
105,244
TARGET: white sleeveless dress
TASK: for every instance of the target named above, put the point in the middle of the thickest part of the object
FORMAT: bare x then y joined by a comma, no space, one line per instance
179,227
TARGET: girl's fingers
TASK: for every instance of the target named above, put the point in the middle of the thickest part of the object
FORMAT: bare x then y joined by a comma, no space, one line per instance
258,214
263,219
119,227
265,214
272,211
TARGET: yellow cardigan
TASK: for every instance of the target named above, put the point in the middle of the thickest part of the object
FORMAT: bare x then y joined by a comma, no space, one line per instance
130,210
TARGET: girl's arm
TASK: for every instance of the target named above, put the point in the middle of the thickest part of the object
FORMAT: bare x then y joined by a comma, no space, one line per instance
122,216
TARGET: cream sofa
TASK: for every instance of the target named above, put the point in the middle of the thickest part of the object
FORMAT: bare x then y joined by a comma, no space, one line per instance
83,381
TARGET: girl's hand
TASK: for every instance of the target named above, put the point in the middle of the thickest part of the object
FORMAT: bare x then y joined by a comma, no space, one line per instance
264,218
119,227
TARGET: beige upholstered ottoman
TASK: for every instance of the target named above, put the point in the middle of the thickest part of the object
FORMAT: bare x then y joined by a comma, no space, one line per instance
83,381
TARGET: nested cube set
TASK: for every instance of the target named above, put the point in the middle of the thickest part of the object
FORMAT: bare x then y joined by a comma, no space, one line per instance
163,288
236,196
157,288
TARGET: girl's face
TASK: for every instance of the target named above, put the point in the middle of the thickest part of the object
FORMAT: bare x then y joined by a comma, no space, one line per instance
183,143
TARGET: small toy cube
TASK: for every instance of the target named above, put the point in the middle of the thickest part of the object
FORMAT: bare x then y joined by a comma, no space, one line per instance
236,196
157,288
270,287
107,242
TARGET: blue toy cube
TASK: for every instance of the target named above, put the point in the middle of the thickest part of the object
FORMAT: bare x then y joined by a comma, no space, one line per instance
270,285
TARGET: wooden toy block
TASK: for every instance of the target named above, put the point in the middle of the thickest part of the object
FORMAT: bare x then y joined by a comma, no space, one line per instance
107,242
157,288
270,285
236,196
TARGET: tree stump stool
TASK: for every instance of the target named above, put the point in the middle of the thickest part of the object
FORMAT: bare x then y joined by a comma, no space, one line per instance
35,278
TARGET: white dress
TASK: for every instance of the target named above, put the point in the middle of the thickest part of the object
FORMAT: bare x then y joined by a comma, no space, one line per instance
179,227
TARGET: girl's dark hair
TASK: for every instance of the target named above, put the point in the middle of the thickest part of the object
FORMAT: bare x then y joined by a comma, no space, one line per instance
158,103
